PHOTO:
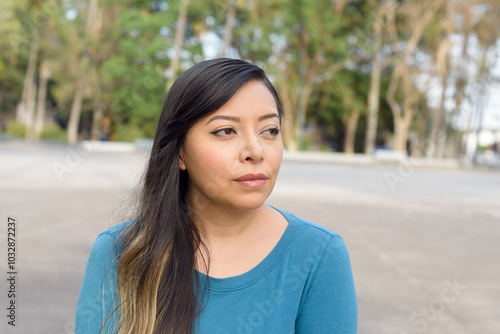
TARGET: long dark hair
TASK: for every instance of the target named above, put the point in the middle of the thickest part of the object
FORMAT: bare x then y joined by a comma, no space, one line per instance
156,277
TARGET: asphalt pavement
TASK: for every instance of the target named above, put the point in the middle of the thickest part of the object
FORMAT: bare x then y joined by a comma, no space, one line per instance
424,242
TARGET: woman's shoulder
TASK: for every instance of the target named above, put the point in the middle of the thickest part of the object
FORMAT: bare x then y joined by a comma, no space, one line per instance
115,230
307,230
107,239
313,241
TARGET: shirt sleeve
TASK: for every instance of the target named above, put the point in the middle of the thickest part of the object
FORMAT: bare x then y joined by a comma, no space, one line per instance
98,294
330,303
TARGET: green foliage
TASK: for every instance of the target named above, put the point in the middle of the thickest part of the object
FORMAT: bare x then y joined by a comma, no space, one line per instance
483,148
134,76
15,38
306,144
336,98
127,133
128,57
54,132
16,130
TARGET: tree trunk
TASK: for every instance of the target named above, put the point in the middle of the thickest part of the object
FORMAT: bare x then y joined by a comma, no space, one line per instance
81,82
410,100
98,105
461,81
437,124
27,107
42,97
395,107
339,6
307,74
302,110
420,18
95,131
179,41
422,123
374,94
351,124
228,29
399,135
438,119
402,116
30,111
401,126
460,89
76,109
442,59
288,119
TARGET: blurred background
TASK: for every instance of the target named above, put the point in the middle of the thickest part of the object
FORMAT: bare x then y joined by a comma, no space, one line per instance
391,128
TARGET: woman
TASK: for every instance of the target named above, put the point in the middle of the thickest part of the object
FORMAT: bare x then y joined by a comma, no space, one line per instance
204,253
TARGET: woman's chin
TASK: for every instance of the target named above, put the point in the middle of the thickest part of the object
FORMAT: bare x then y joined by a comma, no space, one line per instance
248,203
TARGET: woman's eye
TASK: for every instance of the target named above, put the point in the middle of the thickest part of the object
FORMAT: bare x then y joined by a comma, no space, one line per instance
223,132
273,131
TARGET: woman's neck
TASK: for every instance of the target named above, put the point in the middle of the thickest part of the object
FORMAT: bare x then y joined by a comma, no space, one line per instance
237,242
226,224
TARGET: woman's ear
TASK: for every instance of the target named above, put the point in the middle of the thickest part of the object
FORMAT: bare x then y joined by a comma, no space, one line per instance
182,164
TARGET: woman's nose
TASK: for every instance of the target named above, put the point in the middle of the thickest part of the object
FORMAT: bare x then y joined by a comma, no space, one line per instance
252,150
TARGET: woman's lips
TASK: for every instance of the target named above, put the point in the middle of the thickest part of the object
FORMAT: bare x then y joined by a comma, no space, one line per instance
252,180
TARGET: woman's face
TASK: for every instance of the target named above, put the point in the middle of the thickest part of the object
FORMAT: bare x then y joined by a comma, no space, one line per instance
233,156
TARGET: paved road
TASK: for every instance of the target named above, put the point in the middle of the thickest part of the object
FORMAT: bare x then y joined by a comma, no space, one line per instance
423,243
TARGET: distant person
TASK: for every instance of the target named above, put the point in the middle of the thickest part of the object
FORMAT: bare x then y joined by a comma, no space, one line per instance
204,253
494,149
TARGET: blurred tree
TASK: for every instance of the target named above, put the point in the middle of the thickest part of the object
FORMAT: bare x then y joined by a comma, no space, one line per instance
111,60
487,32
467,19
467,75
37,18
307,43
229,25
134,73
12,57
43,78
106,15
405,40
27,104
85,67
377,19
341,102
180,27
64,47
50,48
441,44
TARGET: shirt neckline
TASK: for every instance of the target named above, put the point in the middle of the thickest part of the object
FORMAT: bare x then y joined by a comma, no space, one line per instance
260,270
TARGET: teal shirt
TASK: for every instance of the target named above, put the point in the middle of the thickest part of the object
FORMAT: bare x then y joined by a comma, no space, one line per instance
303,286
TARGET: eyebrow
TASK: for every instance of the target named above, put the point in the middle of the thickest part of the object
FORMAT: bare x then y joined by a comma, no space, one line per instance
237,119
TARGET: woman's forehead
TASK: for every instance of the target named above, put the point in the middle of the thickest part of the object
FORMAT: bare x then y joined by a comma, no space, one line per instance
253,99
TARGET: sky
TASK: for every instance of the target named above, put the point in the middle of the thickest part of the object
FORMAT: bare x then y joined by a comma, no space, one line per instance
492,111
469,115
491,116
